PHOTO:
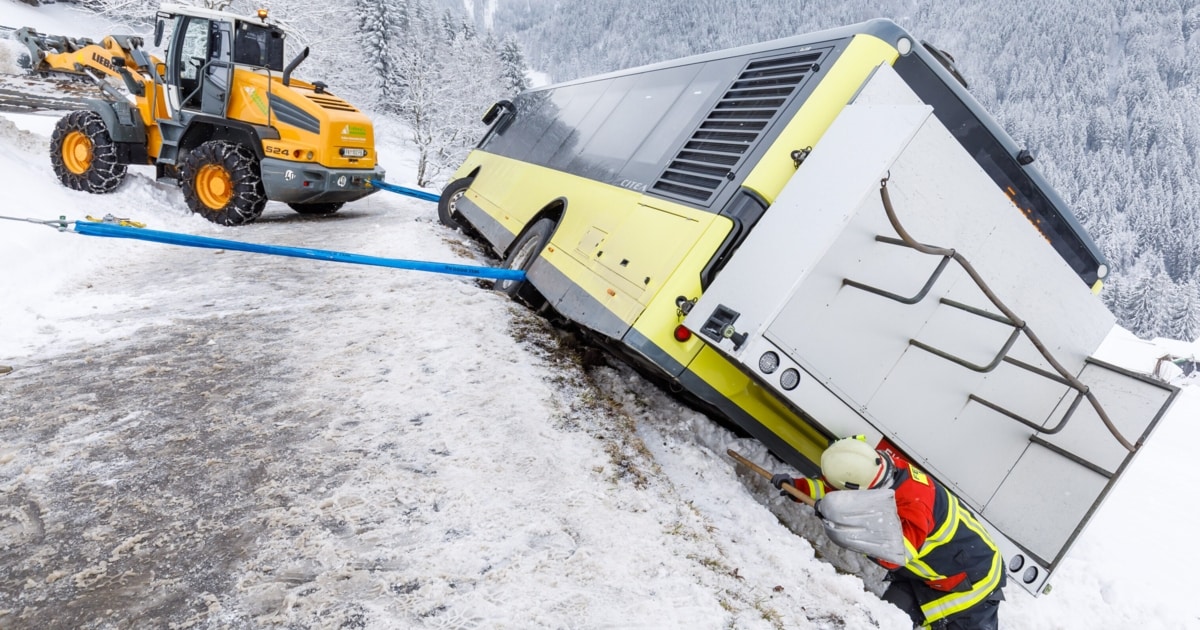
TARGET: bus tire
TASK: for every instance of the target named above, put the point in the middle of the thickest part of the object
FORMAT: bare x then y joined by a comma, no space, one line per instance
448,203
83,154
521,255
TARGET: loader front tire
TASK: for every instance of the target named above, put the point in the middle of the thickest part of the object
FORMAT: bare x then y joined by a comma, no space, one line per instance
84,155
222,182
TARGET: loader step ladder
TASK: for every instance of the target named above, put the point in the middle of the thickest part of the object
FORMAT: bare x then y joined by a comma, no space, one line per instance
172,133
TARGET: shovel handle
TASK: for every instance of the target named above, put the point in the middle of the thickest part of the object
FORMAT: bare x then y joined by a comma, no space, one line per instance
787,487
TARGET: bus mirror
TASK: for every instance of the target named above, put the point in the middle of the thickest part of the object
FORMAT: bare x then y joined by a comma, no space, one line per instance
495,110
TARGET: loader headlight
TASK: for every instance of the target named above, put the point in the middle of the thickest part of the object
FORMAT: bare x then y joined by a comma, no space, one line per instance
353,152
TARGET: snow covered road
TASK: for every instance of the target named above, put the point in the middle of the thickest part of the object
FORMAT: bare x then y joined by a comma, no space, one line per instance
219,439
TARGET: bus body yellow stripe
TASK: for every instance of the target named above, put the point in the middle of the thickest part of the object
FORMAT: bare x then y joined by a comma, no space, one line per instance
836,88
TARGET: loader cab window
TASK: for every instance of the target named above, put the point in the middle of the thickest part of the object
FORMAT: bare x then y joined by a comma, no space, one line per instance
258,46
190,54
200,59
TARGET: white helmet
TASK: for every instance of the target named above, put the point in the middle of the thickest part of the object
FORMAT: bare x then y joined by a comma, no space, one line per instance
851,464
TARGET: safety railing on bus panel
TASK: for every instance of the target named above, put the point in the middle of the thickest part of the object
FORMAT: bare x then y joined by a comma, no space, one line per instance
1008,318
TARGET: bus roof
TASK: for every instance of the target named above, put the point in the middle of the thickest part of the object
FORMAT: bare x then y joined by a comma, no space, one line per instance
892,33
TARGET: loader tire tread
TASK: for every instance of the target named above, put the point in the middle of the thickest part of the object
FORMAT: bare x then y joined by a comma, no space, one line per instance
98,173
238,168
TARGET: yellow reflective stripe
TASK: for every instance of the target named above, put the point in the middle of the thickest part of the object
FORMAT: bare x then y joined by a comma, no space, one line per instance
939,537
920,569
955,603
949,528
816,488
913,563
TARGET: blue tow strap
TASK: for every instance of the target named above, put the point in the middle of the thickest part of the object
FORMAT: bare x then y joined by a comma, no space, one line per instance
172,238
419,194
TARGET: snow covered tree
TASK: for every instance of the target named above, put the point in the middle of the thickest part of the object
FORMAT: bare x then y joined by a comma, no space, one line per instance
379,27
1183,312
514,66
450,76
1146,285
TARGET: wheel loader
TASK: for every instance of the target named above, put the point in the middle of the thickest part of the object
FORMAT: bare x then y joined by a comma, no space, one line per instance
221,116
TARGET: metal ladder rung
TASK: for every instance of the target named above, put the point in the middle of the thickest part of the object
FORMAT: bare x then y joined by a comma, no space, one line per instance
1079,396
920,295
1009,318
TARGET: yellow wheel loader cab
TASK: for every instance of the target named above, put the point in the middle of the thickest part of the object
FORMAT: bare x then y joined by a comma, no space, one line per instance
224,90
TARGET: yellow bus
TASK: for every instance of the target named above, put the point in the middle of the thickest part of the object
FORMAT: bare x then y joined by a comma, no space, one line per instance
628,196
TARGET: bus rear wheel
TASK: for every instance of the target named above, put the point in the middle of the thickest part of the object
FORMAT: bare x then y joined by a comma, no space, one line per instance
521,256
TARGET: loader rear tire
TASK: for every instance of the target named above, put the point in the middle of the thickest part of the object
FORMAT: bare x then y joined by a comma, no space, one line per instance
222,182
84,155
317,208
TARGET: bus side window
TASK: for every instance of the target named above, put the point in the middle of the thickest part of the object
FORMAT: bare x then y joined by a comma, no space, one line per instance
695,99
573,103
535,112
569,157
635,118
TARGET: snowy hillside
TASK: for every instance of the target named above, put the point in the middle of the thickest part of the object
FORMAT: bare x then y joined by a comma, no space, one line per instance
212,439
226,439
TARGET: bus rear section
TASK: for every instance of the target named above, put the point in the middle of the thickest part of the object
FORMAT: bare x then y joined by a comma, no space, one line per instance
852,300
719,220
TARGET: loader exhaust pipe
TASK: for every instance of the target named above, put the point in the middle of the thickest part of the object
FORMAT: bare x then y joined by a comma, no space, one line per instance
287,72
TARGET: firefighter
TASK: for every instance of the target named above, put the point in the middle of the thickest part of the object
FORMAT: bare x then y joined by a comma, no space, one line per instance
954,573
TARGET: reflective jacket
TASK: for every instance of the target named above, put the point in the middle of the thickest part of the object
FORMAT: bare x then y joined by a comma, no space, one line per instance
946,547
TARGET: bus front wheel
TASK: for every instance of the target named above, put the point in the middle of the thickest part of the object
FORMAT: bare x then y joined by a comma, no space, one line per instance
448,203
521,256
